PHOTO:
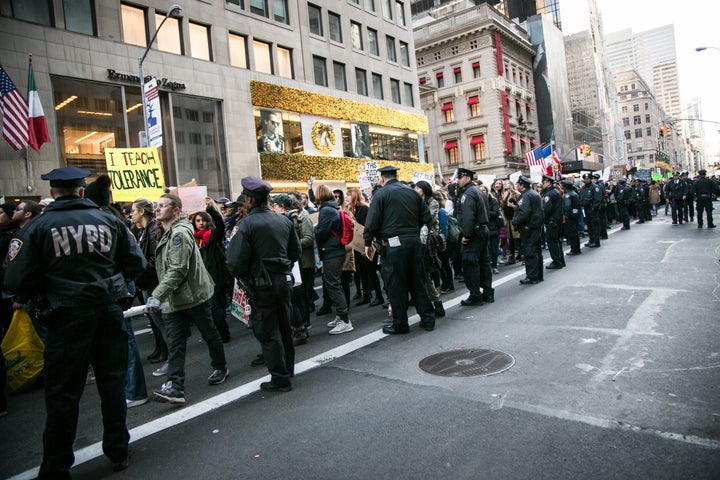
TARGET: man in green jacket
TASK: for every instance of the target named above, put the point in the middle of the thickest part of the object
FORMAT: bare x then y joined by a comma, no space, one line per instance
186,286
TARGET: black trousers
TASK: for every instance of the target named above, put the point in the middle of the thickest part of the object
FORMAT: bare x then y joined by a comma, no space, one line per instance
592,220
625,217
704,202
76,337
677,210
270,319
552,239
571,233
476,265
530,245
403,273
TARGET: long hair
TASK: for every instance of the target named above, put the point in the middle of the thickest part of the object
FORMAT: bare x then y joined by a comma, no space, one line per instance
323,194
145,206
426,189
355,199
205,216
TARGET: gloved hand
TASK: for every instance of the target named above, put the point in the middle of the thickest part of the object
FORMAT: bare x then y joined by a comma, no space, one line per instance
152,304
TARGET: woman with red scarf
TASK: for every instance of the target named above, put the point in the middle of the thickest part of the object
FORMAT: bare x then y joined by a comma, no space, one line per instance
210,236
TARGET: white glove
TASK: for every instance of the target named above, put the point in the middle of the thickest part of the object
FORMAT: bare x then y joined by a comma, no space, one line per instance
152,304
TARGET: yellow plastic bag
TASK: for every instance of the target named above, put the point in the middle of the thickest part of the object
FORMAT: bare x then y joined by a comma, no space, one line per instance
23,352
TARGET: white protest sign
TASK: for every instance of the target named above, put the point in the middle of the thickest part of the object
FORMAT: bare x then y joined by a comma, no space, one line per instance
514,177
426,176
371,170
193,198
606,174
364,182
486,180
536,173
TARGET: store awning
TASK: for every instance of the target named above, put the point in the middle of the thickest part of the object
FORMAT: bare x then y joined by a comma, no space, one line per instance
456,70
525,141
473,100
477,139
447,106
423,79
476,65
439,75
449,145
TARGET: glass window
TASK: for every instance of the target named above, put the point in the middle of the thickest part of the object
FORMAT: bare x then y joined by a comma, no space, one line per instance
361,81
339,73
391,52
335,27
315,19
238,50
638,133
636,107
259,7
458,75
370,5
648,131
475,109
404,54
285,65
280,11
476,69
449,114
239,3
647,118
409,98
80,16
479,151
387,9
395,90
320,70
628,135
453,156
400,13
637,120
200,41
261,54
168,38
377,86
373,42
356,35
35,11
134,25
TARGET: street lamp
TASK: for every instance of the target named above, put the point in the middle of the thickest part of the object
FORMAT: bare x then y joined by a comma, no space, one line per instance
700,49
174,11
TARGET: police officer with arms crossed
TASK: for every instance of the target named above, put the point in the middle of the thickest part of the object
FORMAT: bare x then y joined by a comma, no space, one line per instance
472,218
80,259
187,287
553,211
528,219
394,219
261,255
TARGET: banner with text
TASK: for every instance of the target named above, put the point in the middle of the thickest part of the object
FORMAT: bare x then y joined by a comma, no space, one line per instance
135,173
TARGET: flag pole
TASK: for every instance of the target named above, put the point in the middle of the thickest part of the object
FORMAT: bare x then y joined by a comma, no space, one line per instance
26,155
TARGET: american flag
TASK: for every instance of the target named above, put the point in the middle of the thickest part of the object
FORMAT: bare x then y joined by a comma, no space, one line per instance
535,157
15,113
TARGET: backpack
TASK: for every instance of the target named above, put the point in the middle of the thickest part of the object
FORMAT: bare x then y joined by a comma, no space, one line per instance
453,229
348,228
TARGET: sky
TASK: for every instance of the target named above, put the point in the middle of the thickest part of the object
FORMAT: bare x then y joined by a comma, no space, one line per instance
696,25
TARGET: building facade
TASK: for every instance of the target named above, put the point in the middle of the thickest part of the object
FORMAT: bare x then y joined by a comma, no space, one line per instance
336,79
476,87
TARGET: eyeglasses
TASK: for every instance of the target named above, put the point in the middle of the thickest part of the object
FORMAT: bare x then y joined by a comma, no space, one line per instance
19,209
163,205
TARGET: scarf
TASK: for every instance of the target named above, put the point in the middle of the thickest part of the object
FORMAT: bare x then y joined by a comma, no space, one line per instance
202,237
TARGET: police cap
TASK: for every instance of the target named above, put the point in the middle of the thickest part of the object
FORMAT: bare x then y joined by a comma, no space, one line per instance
388,169
464,172
587,176
222,200
254,185
525,181
547,178
684,174
596,176
622,181
702,172
567,183
67,177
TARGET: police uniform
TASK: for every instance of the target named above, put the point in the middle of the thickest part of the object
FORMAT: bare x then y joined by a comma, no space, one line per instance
553,211
591,198
261,254
528,220
688,206
676,192
80,259
602,213
395,217
473,221
624,198
571,213
704,190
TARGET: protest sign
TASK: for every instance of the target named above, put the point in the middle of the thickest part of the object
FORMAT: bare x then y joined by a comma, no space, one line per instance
135,173
193,198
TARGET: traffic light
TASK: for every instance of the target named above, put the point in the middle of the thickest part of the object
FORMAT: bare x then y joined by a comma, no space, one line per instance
588,150
662,130
668,131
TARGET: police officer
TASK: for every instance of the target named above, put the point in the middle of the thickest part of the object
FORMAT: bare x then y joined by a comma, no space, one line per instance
571,212
676,193
624,197
602,213
688,206
261,255
553,211
591,198
704,190
396,215
80,260
473,220
528,220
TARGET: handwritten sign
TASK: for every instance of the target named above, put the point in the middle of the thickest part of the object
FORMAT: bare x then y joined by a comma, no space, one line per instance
423,176
135,173
193,198
371,170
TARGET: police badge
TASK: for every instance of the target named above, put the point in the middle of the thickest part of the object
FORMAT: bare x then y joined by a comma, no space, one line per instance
14,248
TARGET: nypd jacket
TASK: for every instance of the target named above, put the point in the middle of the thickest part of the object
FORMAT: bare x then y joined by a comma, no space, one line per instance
529,212
473,210
184,282
395,210
74,255
553,206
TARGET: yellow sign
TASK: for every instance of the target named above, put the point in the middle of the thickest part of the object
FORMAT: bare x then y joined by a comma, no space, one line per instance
135,173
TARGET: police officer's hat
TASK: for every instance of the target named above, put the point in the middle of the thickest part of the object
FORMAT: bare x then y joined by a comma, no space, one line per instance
67,177
389,169
587,176
525,181
222,200
622,181
464,172
567,183
254,185
684,174
596,176
548,178
702,172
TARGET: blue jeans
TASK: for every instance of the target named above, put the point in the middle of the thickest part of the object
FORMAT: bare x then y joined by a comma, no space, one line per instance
135,388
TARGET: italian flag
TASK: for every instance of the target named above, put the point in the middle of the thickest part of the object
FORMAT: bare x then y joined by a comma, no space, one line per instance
36,117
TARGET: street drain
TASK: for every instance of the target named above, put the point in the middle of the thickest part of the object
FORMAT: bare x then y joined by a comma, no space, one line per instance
467,363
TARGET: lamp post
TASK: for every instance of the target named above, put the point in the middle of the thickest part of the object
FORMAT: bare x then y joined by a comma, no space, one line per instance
700,49
174,11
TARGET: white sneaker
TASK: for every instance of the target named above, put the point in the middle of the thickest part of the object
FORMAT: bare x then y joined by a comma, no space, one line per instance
333,323
162,370
136,403
342,327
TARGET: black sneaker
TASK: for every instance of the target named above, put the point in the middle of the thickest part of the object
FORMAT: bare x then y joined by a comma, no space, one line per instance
259,361
169,394
218,376
275,387
121,465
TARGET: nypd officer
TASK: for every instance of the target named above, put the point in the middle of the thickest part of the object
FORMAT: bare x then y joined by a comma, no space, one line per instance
553,211
80,260
591,198
624,197
261,255
472,217
396,215
528,219
571,212
704,190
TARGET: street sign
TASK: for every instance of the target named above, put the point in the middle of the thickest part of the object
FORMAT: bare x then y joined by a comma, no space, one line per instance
153,114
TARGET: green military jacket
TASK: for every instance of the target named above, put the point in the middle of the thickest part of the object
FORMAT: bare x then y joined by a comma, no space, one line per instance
184,280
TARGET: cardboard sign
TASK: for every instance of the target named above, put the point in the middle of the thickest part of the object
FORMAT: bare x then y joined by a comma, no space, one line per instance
364,182
193,198
240,306
514,177
486,180
135,173
536,173
371,170
423,176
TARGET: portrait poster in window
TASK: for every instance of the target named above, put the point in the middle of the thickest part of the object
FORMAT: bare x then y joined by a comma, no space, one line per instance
271,132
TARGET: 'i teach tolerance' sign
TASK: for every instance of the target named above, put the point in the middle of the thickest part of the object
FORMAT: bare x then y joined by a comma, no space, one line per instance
135,173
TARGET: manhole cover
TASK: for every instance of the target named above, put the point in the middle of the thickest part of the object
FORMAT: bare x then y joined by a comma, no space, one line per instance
467,363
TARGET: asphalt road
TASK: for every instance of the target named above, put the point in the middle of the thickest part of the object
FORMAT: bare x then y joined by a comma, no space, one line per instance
616,375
